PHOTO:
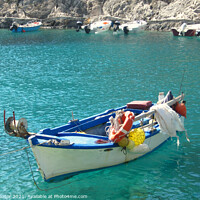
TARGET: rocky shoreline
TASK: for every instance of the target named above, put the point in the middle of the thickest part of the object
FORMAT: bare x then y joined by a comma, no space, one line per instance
70,23
159,15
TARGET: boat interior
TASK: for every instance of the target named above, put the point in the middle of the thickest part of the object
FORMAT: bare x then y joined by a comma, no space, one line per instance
96,125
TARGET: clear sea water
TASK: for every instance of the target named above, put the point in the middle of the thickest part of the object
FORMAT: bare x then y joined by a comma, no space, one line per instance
46,75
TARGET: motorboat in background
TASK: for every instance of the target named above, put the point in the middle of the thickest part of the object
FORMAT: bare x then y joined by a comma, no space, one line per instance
96,27
187,30
30,26
130,27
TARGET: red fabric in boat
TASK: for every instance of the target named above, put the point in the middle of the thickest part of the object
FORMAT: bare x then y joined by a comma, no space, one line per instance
143,105
101,141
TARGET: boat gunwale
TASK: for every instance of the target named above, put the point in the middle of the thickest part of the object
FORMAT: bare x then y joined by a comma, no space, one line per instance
35,140
90,122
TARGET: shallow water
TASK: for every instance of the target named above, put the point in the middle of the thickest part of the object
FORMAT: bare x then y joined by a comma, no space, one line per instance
47,74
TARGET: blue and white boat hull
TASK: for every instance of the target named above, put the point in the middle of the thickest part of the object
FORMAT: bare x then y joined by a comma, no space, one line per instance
26,29
31,26
60,162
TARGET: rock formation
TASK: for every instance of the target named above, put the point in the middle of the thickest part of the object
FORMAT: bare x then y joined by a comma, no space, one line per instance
161,14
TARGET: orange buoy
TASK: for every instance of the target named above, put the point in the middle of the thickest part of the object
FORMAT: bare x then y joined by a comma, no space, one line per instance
181,109
125,128
127,114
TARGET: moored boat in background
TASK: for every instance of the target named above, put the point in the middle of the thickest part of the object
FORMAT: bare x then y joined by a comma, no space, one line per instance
187,30
30,26
130,27
95,27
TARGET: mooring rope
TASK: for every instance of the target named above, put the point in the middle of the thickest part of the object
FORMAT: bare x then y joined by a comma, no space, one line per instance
47,189
35,183
182,81
27,147
31,170
3,154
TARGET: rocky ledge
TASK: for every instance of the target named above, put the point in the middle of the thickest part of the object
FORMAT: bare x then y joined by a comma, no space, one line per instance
160,14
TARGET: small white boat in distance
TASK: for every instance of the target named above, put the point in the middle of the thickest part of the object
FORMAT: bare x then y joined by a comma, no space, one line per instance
100,26
133,26
96,27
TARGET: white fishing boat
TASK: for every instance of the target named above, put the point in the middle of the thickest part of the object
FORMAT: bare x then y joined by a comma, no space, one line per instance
130,27
96,27
187,30
111,138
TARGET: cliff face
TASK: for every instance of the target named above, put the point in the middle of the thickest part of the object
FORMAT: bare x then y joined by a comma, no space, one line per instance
149,10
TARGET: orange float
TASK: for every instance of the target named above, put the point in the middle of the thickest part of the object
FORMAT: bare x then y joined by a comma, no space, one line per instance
127,120
181,109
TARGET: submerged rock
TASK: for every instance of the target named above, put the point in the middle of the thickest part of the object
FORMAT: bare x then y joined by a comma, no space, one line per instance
64,14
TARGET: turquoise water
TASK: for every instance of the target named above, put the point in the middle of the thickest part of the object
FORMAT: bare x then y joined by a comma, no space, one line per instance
50,73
